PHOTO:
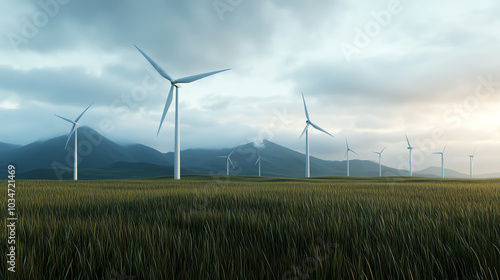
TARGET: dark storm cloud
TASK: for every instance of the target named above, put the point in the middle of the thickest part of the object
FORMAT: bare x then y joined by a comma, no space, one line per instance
59,86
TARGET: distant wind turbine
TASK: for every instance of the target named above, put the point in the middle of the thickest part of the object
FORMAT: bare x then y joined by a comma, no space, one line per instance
75,130
306,131
259,160
471,159
347,155
228,161
175,83
380,161
442,160
409,148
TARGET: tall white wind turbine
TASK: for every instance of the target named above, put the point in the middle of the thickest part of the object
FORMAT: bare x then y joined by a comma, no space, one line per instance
259,160
75,130
409,148
306,132
175,83
442,160
380,161
228,161
347,155
471,159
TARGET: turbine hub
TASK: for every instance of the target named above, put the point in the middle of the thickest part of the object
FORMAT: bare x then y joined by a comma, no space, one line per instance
176,85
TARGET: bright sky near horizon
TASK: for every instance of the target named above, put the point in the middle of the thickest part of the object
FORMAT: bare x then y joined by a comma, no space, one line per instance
370,71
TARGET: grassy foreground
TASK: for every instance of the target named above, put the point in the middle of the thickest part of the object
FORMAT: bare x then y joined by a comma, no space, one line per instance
256,228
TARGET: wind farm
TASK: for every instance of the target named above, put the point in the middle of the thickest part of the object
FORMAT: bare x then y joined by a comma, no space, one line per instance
292,162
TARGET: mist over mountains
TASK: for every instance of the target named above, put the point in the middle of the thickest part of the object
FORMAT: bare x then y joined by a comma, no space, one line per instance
100,158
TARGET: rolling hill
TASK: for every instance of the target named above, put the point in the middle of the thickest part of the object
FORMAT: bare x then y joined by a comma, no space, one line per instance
101,158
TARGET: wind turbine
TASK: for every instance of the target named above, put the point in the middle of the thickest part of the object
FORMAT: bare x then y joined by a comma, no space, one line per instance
471,158
442,160
347,155
228,161
259,160
379,161
409,148
306,131
175,83
75,130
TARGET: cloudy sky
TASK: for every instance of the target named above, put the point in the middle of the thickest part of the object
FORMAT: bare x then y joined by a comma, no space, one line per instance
370,71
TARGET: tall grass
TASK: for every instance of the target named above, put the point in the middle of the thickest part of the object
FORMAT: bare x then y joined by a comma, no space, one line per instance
251,228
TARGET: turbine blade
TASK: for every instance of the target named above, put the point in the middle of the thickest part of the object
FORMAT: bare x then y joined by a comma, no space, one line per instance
305,106
346,144
193,78
65,119
158,68
69,136
444,147
257,161
231,153
77,119
222,156
354,152
407,140
383,150
167,105
303,132
231,162
320,129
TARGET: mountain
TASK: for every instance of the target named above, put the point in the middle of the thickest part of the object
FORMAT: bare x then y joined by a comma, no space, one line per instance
94,150
101,158
4,147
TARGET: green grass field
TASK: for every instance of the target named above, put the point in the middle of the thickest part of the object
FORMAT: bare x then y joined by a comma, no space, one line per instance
256,228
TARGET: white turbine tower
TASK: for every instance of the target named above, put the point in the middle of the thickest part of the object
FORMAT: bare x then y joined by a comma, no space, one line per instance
75,130
471,158
228,161
347,155
409,148
175,83
380,161
259,160
442,160
306,131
